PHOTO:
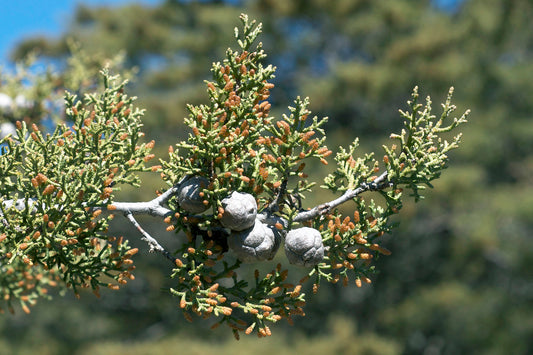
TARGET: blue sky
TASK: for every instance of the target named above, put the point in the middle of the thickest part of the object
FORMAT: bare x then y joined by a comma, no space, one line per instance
20,19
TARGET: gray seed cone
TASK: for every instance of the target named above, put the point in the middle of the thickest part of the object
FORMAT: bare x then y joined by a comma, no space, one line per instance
189,194
240,210
303,246
257,243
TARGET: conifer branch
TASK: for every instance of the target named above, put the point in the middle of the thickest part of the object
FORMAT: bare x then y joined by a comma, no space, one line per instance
235,189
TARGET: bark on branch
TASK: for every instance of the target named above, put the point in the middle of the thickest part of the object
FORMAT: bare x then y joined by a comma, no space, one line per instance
326,207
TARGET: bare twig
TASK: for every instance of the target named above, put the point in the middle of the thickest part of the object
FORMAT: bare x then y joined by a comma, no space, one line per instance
152,243
153,207
324,208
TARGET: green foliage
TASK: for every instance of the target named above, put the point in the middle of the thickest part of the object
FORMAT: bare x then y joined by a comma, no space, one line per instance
235,145
54,187
27,93
422,150
417,159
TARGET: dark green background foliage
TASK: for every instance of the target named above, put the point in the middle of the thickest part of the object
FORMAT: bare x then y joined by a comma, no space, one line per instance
459,279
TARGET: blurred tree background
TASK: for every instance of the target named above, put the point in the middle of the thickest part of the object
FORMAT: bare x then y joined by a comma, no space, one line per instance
460,279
